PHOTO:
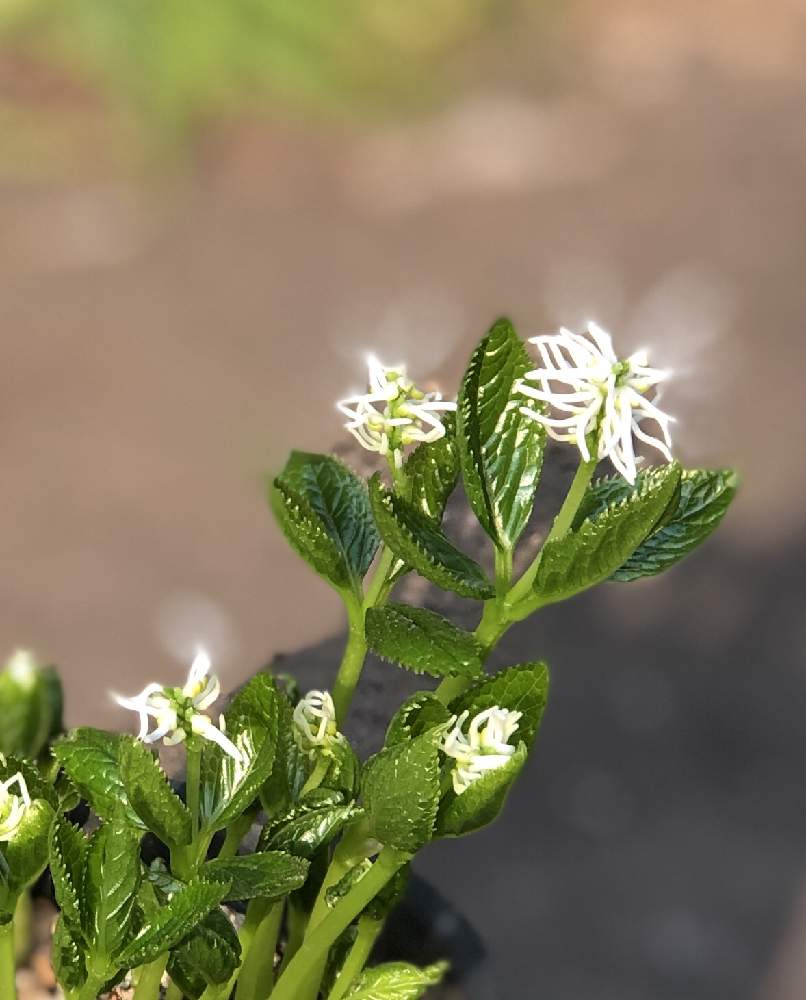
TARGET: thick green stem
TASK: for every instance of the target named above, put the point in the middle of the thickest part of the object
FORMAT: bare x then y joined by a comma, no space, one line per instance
368,931
489,630
352,662
8,963
256,978
173,992
319,939
149,979
237,830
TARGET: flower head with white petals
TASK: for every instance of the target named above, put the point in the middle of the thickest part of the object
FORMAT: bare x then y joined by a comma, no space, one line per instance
315,727
13,805
393,413
180,712
484,748
591,393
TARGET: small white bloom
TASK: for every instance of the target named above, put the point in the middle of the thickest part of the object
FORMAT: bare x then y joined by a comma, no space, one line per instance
23,668
394,412
486,746
601,395
315,722
13,805
179,712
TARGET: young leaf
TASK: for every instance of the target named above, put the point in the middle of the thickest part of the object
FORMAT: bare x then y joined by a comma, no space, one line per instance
432,470
90,757
270,875
26,852
401,791
344,771
68,957
38,786
289,769
418,714
208,957
481,801
306,534
112,884
68,868
309,829
337,499
501,450
150,795
396,981
705,495
422,641
594,551
174,922
522,688
421,544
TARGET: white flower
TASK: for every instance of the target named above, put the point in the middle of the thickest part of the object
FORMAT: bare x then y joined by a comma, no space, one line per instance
179,712
393,413
486,746
600,395
315,722
12,805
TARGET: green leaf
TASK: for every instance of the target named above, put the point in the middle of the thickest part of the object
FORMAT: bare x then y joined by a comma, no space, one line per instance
26,852
501,449
151,796
704,498
38,786
208,957
396,981
324,511
67,956
270,875
228,789
601,544
90,757
401,791
310,826
68,868
419,713
344,770
432,470
112,884
421,544
482,801
289,769
173,923
30,706
422,641
523,688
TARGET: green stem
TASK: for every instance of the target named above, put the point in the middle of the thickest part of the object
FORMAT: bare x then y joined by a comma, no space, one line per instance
23,918
174,992
149,979
193,783
235,834
368,931
320,937
352,662
256,978
316,775
8,970
489,630
296,924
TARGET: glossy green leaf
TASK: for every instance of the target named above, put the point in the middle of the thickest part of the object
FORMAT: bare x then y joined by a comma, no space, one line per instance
481,802
290,766
68,868
421,544
112,884
419,713
173,923
703,500
335,500
151,796
270,875
401,791
396,981
90,758
68,956
344,771
309,826
208,957
501,449
422,641
523,688
601,544
26,852
36,782
432,470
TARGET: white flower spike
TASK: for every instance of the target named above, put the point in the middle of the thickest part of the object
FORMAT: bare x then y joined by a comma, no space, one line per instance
393,413
601,395
486,746
180,712
315,725
13,805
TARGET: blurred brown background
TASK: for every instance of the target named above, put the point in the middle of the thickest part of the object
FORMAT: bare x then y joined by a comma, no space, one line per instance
210,211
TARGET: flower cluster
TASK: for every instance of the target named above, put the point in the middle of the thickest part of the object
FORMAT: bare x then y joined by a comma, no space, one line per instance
180,712
12,805
393,413
485,748
602,397
315,727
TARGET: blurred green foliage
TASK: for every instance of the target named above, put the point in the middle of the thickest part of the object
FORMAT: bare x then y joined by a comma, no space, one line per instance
175,64
30,707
